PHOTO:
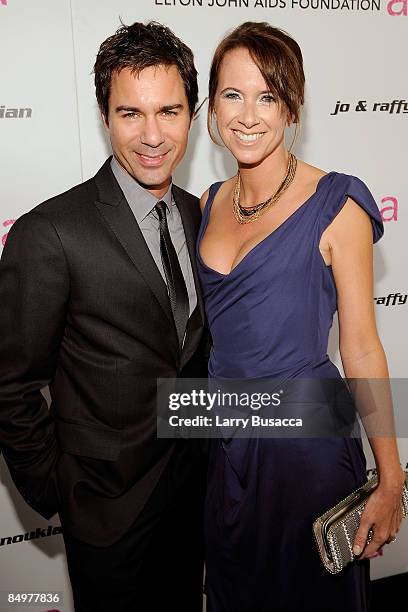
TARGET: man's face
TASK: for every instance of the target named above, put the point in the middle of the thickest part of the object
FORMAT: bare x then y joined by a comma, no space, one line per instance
148,124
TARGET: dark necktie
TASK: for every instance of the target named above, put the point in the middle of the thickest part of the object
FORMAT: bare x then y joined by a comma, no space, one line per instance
176,286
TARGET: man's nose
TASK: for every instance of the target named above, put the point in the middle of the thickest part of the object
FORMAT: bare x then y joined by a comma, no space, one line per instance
152,134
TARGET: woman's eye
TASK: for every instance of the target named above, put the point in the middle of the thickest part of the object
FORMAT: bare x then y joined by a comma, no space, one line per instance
268,98
231,95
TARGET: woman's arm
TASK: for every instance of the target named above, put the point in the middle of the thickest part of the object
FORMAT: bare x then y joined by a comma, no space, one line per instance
348,241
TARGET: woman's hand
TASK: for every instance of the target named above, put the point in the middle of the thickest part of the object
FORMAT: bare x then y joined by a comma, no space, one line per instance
383,514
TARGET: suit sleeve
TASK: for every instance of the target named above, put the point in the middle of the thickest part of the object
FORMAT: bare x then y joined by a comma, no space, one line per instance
34,291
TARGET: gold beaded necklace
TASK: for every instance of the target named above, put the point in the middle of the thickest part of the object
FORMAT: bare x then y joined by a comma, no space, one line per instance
248,214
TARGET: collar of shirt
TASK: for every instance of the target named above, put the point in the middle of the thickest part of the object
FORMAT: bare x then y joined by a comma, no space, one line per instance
141,201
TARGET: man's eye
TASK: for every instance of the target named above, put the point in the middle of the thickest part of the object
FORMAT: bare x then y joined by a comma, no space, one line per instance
129,115
169,113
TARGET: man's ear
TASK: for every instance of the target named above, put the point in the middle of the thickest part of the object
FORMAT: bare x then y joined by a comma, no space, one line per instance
105,121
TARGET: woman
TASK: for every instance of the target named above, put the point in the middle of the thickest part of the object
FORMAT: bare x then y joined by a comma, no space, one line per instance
281,247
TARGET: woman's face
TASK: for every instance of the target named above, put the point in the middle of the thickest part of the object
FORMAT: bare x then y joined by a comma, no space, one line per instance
250,121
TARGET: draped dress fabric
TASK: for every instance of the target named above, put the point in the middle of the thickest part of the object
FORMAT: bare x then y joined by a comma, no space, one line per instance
271,317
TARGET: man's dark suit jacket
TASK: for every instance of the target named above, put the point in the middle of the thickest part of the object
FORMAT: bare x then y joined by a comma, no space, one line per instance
84,309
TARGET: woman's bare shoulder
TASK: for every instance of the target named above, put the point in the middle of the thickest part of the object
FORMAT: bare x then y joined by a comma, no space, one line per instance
309,174
226,187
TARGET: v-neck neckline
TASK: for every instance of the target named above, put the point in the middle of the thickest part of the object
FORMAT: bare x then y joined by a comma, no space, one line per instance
258,244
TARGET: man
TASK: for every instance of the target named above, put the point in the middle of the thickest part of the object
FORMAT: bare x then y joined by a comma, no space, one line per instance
99,298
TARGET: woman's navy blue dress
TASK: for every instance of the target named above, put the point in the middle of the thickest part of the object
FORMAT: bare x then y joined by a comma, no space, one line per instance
270,317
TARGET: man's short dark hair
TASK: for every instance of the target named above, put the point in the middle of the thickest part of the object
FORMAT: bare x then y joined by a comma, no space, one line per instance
140,46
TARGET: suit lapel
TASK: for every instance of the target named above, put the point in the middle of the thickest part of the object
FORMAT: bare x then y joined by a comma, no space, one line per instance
191,226
116,212
190,230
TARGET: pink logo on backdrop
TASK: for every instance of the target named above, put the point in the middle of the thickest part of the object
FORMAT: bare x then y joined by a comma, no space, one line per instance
6,224
390,212
3,2
396,8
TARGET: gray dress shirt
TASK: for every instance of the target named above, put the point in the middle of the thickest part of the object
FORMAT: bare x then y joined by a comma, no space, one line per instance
142,204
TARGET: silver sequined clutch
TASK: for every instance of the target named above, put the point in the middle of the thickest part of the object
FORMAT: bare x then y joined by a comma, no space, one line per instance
335,530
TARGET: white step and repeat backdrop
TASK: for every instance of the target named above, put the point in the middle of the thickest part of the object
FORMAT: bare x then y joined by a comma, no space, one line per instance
355,120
